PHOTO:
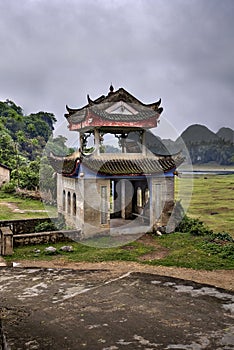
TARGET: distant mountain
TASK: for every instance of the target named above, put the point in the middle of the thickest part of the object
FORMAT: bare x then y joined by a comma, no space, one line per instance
205,146
226,134
197,133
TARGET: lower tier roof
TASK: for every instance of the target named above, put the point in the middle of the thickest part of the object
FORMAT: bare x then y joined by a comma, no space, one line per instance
116,164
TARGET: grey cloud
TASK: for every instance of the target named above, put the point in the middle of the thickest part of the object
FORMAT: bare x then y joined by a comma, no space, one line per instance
55,52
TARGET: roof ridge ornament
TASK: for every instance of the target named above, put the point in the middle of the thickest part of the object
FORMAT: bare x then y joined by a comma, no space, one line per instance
111,88
90,102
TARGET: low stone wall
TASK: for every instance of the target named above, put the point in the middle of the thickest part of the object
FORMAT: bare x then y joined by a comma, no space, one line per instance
24,225
46,237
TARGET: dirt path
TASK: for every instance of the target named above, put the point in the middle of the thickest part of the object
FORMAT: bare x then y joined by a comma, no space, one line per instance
15,209
12,206
219,278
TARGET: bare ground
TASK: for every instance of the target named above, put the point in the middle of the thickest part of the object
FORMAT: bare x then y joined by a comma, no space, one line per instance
15,209
218,278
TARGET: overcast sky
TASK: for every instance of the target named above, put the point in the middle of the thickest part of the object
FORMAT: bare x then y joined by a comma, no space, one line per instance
55,52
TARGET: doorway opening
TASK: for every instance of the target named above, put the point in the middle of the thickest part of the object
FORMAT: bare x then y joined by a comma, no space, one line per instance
130,200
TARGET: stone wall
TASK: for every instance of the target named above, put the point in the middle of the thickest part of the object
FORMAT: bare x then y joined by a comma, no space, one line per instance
24,225
46,237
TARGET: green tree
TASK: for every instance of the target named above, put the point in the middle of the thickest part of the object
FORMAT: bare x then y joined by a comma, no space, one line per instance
47,182
27,175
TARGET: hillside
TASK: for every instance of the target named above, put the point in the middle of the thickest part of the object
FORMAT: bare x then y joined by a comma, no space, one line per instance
22,142
205,146
198,133
226,134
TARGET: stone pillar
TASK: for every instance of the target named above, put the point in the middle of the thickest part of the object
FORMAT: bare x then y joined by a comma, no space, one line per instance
81,141
6,241
128,199
123,143
117,199
144,149
97,140
60,189
157,201
123,199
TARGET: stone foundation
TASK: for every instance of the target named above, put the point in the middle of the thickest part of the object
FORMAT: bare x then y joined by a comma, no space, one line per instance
47,237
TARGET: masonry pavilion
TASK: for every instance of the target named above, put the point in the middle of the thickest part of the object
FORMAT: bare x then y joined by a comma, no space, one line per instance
128,188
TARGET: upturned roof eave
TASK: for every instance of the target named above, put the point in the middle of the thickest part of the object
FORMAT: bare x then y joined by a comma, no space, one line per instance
111,97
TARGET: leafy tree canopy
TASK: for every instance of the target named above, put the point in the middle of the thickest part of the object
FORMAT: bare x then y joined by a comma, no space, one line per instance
22,141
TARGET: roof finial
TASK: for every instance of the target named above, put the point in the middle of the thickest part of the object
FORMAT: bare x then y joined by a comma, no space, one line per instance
111,88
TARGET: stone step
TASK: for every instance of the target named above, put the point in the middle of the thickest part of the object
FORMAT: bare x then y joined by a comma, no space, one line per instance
2,262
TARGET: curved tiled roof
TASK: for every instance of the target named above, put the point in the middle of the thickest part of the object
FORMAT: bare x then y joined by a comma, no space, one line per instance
143,113
119,164
99,106
65,165
128,166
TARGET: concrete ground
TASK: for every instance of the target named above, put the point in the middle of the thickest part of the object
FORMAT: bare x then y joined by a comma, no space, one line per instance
94,309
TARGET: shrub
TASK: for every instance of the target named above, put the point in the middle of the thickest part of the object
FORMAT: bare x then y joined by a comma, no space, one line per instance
224,250
220,244
9,187
50,225
224,237
45,226
193,226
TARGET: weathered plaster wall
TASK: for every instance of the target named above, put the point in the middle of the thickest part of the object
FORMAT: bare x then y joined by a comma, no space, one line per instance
161,200
96,206
4,175
59,193
85,202
83,205
169,200
70,194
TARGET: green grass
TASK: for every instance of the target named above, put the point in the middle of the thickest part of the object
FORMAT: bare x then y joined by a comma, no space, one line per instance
184,251
82,252
214,194
5,213
191,252
8,204
213,201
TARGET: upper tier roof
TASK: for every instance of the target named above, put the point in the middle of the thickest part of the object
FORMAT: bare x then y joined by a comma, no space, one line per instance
114,109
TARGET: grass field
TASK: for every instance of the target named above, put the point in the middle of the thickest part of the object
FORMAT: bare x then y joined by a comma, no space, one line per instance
15,207
213,201
183,250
